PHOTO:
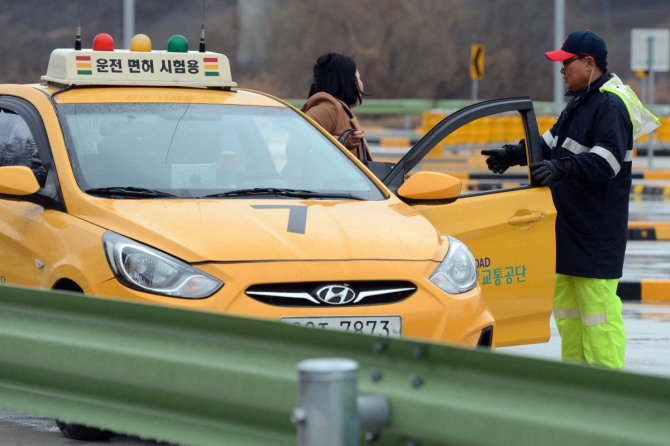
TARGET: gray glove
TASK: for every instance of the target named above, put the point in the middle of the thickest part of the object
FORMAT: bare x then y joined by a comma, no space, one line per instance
499,160
547,171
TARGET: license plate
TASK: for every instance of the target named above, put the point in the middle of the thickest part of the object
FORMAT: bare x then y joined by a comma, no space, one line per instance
386,326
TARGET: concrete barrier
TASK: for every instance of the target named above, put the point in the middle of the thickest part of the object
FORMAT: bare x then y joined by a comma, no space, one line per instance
647,291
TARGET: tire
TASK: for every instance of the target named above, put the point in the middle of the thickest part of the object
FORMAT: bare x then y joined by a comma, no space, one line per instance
83,433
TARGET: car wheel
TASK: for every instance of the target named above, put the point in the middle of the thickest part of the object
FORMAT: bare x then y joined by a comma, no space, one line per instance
84,433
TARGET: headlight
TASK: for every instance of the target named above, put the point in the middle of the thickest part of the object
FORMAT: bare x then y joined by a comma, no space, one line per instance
146,269
458,271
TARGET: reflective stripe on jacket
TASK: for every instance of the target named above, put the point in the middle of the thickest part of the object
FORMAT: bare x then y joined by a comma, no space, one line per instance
643,120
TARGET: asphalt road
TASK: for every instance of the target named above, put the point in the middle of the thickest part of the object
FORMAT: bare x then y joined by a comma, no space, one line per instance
648,337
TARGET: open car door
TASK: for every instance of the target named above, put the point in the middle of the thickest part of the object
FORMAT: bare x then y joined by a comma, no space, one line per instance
508,224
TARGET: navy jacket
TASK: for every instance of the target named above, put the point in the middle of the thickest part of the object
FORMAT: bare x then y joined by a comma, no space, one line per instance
594,132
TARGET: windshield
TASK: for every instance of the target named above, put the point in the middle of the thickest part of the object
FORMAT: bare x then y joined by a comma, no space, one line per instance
162,150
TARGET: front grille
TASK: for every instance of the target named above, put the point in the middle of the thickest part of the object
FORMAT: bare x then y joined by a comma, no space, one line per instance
319,294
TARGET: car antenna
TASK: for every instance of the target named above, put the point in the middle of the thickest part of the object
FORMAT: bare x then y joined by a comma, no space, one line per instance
77,39
202,29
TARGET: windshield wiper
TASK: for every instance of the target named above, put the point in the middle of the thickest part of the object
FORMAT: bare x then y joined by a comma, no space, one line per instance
128,191
293,193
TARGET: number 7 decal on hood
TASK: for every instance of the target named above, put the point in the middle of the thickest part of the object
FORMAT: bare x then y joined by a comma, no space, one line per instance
297,216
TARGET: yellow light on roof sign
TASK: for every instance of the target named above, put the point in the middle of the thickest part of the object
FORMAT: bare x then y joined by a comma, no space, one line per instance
124,67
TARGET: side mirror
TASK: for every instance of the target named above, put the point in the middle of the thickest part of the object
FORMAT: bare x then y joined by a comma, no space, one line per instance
430,186
18,180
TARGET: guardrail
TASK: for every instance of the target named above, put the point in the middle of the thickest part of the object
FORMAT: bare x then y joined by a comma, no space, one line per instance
376,106
400,107
372,106
488,130
209,379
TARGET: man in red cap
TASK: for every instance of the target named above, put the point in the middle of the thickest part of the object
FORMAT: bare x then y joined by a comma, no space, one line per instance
588,166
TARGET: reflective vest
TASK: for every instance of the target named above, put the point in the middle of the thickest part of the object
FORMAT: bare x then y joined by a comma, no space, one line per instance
643,120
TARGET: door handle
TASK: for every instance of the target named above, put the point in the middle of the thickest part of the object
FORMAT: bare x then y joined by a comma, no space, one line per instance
526,219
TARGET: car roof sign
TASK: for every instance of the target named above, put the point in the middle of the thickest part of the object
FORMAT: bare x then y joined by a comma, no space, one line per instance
133,68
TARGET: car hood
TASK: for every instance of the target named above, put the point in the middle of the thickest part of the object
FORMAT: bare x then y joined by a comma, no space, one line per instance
261,230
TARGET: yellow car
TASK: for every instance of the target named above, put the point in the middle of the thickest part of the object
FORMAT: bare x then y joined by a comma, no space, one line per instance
150,176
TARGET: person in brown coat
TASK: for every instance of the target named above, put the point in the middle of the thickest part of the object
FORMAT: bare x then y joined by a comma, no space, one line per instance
336,89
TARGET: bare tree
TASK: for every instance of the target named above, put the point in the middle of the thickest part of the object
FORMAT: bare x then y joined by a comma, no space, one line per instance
416,48
404,48
387,42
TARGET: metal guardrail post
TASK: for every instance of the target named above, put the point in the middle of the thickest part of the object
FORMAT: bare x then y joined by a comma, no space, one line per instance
330,413
327,415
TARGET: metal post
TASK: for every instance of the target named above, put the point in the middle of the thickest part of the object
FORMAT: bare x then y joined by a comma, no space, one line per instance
650,97
559,35
475,89
327,414
128,21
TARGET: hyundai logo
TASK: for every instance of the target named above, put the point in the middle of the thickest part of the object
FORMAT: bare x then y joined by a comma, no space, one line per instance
336,294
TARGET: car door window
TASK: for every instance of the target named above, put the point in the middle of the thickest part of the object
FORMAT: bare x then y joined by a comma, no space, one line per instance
17,145
468,121
459,154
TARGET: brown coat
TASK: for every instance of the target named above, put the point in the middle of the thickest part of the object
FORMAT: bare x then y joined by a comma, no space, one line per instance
335,117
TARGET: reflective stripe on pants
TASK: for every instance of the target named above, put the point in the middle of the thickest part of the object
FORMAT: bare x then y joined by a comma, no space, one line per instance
589,318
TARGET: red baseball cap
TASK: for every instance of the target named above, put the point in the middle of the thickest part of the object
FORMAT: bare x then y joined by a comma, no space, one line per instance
580,43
